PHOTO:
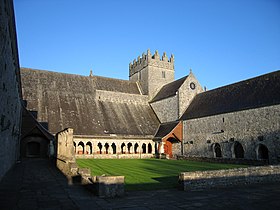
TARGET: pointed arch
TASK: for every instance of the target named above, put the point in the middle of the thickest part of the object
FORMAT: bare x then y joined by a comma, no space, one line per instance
89,148
81,148
129,146
99,145
106,148
144,149
149,148
136,146
114,148
238,151
262,152
217,150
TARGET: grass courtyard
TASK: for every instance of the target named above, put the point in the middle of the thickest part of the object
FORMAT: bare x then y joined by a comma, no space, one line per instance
148,174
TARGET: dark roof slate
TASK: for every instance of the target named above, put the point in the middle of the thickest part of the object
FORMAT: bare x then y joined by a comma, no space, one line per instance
169,89
252,93
165,128
65,100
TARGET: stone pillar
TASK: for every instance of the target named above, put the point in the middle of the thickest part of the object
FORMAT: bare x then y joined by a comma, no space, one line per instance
110,150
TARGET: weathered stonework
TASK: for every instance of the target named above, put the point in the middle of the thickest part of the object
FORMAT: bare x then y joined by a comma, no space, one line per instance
223,178
152,72
251,128
109,186
186,93
10,89
166,109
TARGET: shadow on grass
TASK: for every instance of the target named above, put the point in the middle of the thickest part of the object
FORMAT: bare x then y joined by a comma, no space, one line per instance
168,182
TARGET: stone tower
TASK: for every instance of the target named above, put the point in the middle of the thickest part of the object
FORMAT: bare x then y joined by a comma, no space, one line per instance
152,72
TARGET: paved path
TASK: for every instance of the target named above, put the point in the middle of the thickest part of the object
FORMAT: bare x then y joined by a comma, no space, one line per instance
37,184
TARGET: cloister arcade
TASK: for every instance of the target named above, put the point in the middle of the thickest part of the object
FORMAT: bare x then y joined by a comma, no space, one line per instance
111,147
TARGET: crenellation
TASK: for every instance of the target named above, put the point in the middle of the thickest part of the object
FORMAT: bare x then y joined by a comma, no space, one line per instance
152,60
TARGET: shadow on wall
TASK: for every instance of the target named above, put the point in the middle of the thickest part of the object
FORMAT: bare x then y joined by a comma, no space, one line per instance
265,148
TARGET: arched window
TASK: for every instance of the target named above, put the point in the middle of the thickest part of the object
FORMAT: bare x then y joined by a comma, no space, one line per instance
238,150
144,148
123,148
217,150
136,148
81,148
129,146
262,152
88,148
114,148
149,148
100,148
106,148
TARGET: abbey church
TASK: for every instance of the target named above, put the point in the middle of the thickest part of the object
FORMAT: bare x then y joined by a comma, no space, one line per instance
149,115
152,114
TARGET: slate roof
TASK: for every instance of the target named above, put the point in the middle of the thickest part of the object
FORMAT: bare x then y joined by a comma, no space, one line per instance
65,100
252,93
165,128
169,89
29,124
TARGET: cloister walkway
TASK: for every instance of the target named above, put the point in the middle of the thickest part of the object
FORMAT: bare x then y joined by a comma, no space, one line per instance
38,184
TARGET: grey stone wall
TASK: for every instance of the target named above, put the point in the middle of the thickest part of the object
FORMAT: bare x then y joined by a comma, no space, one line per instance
250,128
156,79
166,109
186,93
152,72
10,93
222,178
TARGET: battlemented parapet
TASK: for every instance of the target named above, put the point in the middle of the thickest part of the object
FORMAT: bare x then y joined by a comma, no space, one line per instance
152,60
152,72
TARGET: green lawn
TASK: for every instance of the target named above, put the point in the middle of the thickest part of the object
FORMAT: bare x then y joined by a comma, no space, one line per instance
148,174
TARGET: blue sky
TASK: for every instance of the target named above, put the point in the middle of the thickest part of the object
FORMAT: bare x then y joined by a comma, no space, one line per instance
223,41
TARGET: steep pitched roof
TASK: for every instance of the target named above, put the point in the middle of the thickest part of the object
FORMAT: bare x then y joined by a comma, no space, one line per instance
252,93
65,100
165,128
169,89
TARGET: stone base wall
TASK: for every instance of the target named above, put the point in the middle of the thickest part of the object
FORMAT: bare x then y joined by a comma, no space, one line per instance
223,178
225,160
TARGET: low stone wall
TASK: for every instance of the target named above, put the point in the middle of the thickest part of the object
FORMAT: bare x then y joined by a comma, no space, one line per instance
225,160
223,178
115,156
109,186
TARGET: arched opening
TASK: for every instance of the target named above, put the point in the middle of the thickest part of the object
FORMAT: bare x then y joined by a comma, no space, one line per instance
114,148
238,150
123,148
129,146
106,148
136,146
144,150
149,148
81,148
262,152
89,148
99,145
217,150
33,149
